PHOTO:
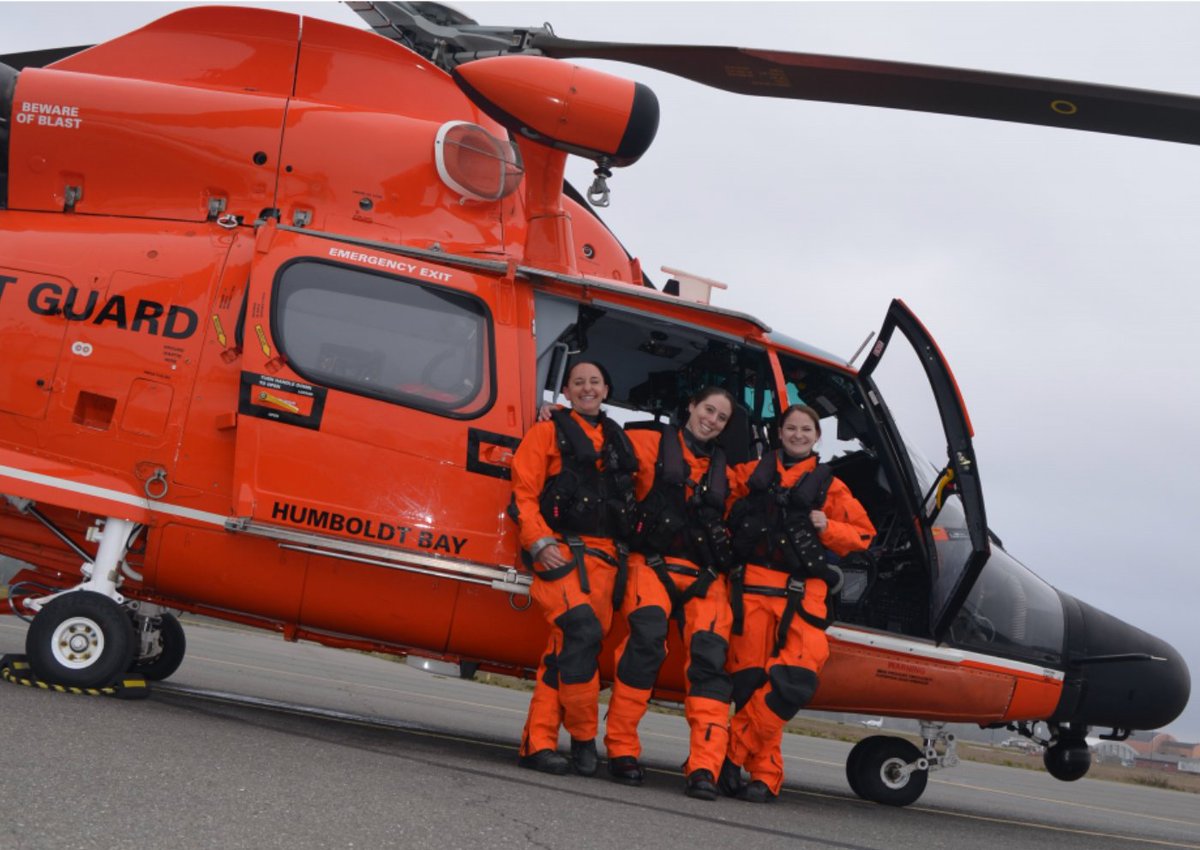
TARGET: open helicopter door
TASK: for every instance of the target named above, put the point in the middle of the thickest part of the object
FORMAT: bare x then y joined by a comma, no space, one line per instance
377,415
952,514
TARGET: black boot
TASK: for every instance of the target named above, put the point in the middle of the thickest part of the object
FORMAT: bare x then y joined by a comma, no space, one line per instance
730,780
626,770
757,792
583,757
700,785
547,761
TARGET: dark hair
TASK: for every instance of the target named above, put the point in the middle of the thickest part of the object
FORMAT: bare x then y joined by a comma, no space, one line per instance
709,392
806,410
577,363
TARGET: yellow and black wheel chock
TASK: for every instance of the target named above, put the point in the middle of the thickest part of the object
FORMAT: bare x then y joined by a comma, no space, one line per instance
15,669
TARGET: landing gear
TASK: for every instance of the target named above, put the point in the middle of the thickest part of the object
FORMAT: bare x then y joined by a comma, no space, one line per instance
894,772
81,639
162,644
887,770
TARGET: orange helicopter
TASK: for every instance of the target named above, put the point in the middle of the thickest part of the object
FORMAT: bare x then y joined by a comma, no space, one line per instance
260,374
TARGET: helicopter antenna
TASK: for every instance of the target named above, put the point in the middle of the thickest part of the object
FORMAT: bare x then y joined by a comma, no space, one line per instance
870,336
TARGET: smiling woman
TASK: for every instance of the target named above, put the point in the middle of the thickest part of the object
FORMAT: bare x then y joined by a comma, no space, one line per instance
568,476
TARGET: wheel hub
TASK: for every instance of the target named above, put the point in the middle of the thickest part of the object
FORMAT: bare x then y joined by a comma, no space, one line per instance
77,642
893,774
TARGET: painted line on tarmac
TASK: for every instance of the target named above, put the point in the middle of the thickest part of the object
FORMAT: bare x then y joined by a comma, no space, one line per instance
322,713
1157,842
1105,809
352,683
1040,799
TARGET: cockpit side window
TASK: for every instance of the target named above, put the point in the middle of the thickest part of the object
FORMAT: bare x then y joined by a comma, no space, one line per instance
656,366
405,342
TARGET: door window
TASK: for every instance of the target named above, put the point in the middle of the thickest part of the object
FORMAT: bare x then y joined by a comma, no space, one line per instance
385,337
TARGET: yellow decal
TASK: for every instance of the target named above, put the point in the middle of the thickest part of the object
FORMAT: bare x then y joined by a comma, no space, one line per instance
220,330
262,340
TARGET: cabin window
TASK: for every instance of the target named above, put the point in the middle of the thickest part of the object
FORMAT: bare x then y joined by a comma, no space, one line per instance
385,337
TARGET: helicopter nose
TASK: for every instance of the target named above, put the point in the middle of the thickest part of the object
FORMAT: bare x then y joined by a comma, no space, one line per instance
1118,675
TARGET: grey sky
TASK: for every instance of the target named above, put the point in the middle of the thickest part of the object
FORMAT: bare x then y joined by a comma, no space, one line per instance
1057,270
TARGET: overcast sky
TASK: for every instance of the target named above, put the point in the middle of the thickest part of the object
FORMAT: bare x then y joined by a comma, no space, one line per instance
1057,270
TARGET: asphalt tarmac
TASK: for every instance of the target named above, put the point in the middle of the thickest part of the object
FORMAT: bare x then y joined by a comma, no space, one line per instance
260,743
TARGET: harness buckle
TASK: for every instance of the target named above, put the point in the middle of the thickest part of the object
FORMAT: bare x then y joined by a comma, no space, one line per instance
796,586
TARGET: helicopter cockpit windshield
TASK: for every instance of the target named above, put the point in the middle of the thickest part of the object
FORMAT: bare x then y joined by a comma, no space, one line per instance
1009,611
980,596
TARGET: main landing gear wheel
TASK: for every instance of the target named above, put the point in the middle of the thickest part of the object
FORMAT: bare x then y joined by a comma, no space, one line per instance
174,645
876,770
81,639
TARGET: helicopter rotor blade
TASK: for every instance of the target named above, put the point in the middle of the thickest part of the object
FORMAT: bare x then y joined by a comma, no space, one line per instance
40,58
899,85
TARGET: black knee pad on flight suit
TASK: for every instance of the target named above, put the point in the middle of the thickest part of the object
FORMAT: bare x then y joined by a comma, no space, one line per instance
791,689
745,683
646,649
581,645
550,676
706,673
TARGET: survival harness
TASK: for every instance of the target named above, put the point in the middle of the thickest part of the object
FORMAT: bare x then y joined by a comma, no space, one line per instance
771,526
582,499
674,524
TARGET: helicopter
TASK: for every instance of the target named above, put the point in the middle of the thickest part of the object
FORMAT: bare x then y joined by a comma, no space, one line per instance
278,379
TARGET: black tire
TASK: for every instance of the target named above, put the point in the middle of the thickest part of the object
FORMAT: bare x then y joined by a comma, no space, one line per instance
81,639
855,757
174,646
872,771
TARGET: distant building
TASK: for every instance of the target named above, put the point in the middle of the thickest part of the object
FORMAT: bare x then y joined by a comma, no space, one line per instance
1164,751
1115,752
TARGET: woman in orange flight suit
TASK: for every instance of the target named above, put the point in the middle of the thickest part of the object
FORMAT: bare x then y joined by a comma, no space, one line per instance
781,501
567,474
677,569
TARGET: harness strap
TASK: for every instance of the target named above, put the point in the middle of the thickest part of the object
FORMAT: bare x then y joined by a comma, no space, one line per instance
656,563
621,563
698,589
794,607
578,549
622,575
737,586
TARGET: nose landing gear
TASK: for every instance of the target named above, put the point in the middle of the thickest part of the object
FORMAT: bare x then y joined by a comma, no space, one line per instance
894,772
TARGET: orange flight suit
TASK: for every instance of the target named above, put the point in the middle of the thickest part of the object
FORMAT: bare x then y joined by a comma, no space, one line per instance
567,688
707,621
770,688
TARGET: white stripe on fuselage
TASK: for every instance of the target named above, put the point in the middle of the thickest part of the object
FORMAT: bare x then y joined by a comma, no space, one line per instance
112,495
909,647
